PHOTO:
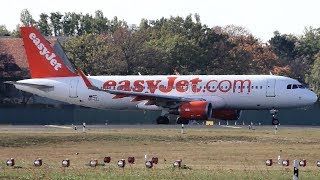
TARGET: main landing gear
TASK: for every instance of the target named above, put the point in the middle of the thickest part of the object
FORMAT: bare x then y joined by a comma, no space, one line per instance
165,120
162,120
275,118
181,120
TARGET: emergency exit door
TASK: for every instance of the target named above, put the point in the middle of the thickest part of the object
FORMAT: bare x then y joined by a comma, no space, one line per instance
73,89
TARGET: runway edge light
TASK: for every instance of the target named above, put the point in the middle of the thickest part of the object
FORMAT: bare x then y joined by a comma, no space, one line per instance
65,163
303,163
107,159
149,164
10,162
177,163
93,163
121,163
131,160
155,160
318,163
269,162
285,163
37,162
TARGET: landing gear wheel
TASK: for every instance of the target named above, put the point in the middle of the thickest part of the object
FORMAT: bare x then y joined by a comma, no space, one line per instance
275,118
181,120
275,121
162,120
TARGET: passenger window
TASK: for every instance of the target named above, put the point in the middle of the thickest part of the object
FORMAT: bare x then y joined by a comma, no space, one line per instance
294,86
260,87
256,87
289,86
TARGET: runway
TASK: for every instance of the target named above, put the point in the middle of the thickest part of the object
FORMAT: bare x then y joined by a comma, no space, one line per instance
152,126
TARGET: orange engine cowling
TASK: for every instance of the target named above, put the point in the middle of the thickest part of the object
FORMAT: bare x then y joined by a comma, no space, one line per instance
196,110
226,114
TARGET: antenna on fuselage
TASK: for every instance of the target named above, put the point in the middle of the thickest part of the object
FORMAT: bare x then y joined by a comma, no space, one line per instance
176,72
139,73
270,73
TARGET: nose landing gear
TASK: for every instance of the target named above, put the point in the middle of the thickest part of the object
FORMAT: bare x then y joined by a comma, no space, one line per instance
181,120
275,117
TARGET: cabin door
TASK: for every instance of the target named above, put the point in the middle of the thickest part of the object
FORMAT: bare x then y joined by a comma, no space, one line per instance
271,85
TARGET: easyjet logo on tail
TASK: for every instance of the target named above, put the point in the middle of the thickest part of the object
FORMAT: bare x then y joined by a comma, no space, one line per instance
43,50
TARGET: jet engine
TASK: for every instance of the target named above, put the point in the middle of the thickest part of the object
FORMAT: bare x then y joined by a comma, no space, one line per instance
197,110
226,114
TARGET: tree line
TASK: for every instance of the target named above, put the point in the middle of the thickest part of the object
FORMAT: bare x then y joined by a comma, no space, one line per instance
102,46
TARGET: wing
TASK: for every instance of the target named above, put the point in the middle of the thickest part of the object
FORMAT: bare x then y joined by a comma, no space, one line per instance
166,101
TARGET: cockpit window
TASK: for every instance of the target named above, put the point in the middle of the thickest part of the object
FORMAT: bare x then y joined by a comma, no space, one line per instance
295,86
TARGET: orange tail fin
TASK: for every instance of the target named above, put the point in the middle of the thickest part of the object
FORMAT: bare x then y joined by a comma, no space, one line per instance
43,61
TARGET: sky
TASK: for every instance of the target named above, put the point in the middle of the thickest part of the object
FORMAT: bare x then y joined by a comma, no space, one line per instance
260,17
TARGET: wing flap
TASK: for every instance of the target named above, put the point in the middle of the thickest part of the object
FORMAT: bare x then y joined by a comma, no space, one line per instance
151,96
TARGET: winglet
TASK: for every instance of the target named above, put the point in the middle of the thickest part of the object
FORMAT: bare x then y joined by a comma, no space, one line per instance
86,80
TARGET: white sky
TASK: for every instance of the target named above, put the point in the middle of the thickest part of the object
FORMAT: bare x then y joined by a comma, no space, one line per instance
260,17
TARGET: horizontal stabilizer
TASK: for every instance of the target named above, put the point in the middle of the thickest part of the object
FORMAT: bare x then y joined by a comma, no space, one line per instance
36,86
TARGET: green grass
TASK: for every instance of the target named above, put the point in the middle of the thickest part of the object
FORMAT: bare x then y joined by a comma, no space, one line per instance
207,153
142,173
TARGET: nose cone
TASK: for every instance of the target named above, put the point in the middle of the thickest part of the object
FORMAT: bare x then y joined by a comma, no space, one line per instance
312,97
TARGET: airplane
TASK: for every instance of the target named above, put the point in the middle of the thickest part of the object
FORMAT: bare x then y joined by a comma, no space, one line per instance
189,97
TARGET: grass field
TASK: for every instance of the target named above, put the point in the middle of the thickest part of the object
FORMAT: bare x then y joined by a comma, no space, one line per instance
207,153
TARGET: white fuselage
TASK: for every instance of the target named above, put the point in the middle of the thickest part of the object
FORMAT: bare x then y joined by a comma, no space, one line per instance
224,91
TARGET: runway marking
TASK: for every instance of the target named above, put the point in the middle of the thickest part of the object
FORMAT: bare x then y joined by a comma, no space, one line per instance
233,127
56,126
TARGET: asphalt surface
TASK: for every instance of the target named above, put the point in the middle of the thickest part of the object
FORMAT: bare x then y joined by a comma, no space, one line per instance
144,126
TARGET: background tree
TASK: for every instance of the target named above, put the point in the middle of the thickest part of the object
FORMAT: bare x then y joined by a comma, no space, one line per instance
100,23
55,18
284,46
43,25
4,31
86,24
161,46
71,24
314,78
92,54
16,33
26,18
